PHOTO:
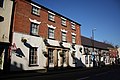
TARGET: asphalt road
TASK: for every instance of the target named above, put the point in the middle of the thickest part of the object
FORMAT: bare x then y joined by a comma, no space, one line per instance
109,73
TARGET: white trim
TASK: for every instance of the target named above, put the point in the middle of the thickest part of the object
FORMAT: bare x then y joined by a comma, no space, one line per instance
63,30
51,26
51,13
73,34
34,21
73,23
35,5
63,18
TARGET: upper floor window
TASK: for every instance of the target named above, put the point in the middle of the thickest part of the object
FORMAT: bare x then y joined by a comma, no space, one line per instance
51,16
50,33
35,9
64,36
33,56
1,3
63,21
73,38
73,25
51,30
34,29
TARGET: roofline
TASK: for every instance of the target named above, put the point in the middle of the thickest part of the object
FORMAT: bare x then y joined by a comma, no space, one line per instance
52,11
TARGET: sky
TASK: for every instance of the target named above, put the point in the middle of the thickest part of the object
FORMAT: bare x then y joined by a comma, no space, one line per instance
104,15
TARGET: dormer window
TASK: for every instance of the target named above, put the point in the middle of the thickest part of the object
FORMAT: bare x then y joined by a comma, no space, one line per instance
51,16
35,9
73,25
63,21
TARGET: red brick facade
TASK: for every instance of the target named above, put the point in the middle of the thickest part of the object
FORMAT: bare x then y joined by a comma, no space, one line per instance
22,23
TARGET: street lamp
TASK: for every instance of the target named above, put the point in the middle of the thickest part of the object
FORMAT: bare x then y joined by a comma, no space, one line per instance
93,38
93,54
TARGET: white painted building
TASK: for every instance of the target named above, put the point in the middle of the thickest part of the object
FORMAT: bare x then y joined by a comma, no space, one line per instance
20,53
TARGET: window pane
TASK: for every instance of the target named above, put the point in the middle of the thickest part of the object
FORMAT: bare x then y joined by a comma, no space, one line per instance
63,36
73,39
51,17
51,33
34,29
50,52
64,22
35,10
86,59
33,56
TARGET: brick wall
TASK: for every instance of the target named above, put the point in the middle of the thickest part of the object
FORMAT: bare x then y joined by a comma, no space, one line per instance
22,23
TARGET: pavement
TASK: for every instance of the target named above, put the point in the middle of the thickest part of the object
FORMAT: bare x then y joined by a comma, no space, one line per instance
10,75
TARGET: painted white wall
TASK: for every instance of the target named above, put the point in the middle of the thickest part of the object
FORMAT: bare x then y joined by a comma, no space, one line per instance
23,62
5,12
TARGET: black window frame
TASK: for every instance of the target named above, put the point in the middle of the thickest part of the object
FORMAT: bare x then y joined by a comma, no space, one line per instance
1,3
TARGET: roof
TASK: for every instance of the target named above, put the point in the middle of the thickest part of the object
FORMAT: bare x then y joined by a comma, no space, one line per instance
31,1
88,42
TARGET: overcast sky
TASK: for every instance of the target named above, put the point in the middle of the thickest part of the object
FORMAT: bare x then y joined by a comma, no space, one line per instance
104,15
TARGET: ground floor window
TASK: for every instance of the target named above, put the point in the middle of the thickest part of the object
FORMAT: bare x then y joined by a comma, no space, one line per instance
50,53
64,57
73,56
90,60
86,59
33,56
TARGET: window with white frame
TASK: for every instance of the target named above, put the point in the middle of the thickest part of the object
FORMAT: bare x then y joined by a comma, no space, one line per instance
34,28
33,56
73,25
64,57
1,3
90,60
73,39
35,10
51,16
50,33
50,53
74,60
86,59
63,21
64,36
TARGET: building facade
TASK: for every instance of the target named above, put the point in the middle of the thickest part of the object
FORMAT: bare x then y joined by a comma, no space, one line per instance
43,38
97,54
6,7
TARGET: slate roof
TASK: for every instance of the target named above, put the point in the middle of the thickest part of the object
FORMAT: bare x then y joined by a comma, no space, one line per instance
89,43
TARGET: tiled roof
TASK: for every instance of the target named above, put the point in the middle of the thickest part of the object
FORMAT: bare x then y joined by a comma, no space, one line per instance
89,42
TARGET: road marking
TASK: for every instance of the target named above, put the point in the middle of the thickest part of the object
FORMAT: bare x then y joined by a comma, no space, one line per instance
83,78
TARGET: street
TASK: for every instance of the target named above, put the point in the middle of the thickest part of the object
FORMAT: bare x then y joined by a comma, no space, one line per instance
105,73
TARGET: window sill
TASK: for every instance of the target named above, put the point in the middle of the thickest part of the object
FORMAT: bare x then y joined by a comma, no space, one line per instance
64,41
34,35
63,25
74,29
52,38
35,14
52,20
33,65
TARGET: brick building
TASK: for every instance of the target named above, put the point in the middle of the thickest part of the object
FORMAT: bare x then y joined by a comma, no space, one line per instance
43,38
